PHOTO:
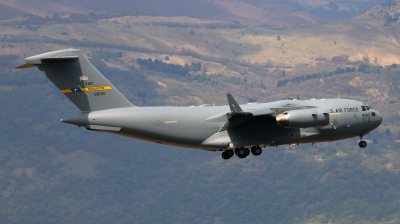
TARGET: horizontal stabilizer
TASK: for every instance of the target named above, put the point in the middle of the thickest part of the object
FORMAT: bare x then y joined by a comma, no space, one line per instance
32,65
63,58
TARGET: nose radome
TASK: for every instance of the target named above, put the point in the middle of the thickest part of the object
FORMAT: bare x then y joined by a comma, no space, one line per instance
379,118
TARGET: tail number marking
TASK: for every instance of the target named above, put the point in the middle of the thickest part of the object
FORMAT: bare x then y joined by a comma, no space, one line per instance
96,88
100,93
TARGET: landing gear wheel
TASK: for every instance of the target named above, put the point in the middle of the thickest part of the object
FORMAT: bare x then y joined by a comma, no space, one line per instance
230,153
362,144
256,151
242,152
227,154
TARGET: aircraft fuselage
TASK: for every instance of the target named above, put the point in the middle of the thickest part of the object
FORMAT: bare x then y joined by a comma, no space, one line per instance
202,127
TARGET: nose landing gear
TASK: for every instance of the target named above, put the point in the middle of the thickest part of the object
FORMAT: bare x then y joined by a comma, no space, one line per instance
362,144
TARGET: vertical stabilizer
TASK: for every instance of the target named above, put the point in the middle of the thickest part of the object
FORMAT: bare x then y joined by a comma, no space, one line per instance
78,80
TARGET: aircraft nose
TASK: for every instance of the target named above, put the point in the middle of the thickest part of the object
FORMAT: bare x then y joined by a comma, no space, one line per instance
378,118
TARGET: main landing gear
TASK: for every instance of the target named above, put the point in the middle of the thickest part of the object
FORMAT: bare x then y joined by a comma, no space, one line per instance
242,152
256,151
227,154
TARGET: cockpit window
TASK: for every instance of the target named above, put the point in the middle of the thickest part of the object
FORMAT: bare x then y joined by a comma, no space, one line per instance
370,107
363,108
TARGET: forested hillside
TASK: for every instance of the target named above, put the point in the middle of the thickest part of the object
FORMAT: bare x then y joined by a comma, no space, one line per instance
51,172
251,12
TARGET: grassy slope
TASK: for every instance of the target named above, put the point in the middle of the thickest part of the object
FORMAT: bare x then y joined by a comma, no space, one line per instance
303,44
270,14
295,53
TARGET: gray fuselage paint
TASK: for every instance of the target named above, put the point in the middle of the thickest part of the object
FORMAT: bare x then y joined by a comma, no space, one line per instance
199,127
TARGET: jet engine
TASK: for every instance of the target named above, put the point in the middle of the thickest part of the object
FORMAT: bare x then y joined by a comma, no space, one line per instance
303,118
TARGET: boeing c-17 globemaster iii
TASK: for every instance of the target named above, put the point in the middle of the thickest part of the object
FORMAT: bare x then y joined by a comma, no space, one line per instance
234,129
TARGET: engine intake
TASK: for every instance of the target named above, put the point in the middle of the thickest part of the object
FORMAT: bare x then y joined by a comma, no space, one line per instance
303,118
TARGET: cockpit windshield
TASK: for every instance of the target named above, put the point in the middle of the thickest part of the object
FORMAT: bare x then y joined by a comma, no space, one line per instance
366,107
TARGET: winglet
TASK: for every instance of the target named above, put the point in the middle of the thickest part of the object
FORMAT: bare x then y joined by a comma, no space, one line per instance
233,104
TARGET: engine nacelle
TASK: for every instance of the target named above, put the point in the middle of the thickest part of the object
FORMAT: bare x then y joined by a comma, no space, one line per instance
303,118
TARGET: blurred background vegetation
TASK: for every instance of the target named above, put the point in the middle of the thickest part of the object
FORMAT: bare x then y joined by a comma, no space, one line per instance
56,173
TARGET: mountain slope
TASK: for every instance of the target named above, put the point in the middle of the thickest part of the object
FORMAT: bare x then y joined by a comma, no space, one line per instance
52,172
266,14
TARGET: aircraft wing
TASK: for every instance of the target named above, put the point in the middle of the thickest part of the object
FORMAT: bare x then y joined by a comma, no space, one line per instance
258,112
237,116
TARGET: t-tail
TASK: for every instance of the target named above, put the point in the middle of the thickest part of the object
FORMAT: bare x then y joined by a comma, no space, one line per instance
78,79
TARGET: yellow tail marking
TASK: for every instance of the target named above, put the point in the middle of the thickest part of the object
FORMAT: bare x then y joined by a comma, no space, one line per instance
86,89
96,88
66,91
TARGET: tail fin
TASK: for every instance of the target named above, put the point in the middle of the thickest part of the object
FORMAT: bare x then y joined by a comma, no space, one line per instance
78,79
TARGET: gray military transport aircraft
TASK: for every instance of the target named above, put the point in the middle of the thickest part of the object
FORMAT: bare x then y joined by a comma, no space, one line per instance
234,129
